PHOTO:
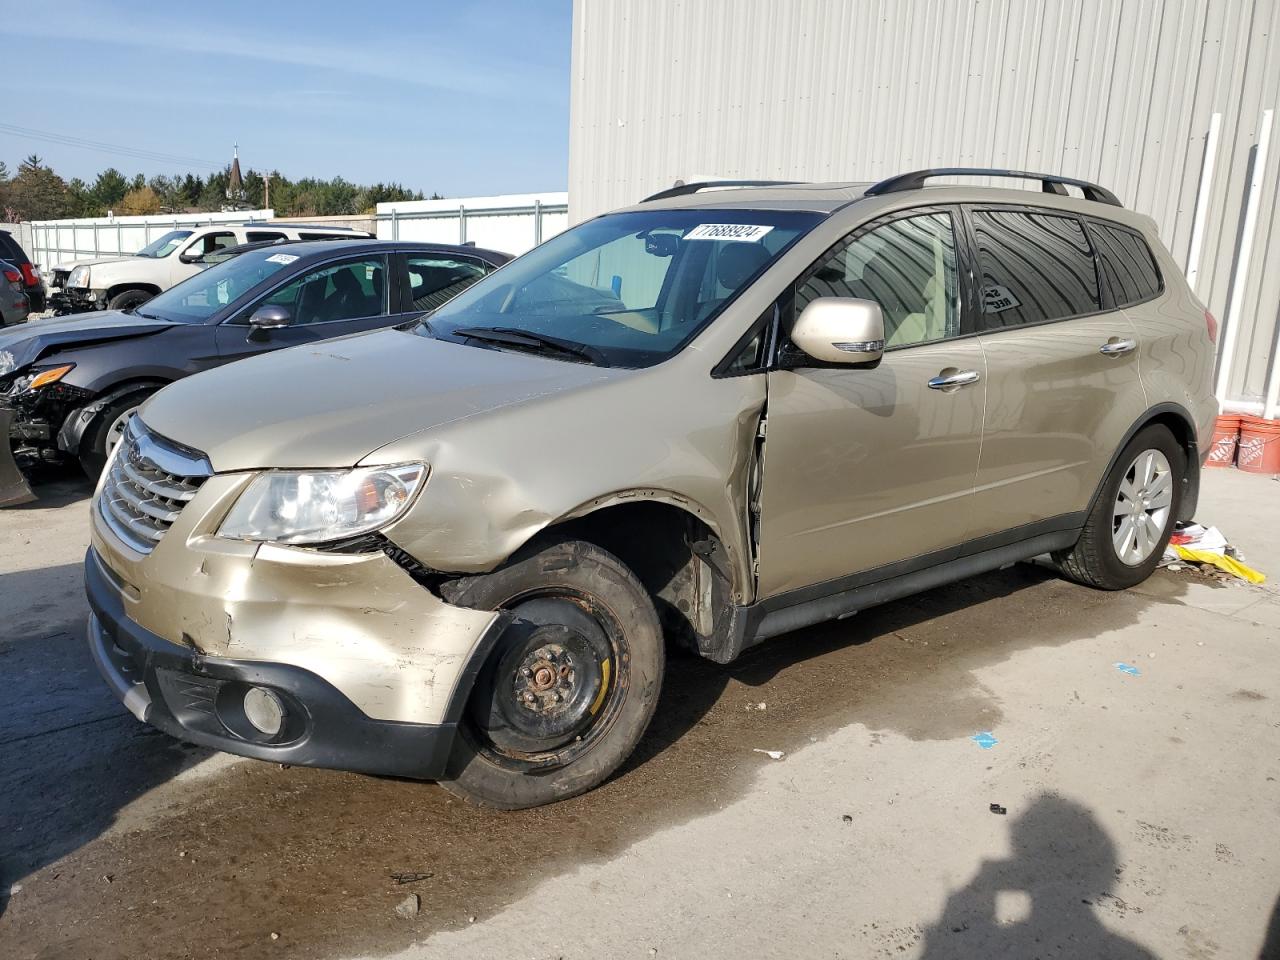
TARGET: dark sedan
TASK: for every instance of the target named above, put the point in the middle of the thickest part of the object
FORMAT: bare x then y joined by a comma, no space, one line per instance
67,387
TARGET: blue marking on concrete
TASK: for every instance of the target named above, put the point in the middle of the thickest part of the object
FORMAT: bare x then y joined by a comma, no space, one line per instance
1129,669
984,739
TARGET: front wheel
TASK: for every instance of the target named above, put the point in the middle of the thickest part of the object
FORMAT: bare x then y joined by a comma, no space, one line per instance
107,431
571,685
129,299
1131,522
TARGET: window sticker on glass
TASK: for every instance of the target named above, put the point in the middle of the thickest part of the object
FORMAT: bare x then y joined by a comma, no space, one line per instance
996,298
738,232
281,258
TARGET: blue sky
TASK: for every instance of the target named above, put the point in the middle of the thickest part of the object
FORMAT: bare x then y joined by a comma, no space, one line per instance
459,97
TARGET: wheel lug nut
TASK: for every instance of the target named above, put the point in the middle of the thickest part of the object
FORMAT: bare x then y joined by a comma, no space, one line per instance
526,672
529,698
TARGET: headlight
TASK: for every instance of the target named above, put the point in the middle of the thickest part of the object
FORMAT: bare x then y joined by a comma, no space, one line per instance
79,277
42,377
312,506
7,362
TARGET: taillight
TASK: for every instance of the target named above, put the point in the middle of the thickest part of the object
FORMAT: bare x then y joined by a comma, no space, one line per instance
13,276
1211,322
29,275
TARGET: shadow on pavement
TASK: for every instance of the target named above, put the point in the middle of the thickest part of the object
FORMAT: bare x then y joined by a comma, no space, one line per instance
1042,900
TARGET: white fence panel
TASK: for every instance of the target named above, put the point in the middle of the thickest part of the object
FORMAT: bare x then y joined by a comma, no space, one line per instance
60,241
513,224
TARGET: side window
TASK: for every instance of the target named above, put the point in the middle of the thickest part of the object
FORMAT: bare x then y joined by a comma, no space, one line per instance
908,266
436,279
256,236
1035,268
342,291
209,243
1127,261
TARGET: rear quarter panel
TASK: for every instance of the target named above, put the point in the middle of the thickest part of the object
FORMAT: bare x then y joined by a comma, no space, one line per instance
1176,356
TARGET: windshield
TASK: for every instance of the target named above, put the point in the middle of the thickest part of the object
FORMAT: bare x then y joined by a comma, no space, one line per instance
197,298
629,288
164,245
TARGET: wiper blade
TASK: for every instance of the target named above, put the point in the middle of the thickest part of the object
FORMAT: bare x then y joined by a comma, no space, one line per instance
537,342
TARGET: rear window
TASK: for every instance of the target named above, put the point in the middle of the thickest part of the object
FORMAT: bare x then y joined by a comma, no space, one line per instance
257,236
1127,262
12,251
1035,268
324,236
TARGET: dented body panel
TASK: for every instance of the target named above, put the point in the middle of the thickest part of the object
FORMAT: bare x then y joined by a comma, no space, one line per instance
357,620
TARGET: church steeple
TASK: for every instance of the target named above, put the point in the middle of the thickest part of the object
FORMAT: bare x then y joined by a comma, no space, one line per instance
235,184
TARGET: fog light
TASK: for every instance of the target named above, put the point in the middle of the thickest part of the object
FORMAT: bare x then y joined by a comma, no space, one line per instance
264,710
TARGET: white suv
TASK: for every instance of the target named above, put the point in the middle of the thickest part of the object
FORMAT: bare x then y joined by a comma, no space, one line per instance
121,283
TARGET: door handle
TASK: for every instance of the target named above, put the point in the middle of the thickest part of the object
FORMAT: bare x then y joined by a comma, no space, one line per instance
1116,347
950,381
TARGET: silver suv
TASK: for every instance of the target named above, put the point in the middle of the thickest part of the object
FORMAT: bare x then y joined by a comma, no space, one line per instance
453,550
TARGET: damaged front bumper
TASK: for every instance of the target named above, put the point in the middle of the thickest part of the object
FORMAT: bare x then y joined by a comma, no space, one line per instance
67,300
201,700
372,668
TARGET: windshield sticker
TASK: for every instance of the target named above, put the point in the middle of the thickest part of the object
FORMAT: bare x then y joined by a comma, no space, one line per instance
738,232
281,258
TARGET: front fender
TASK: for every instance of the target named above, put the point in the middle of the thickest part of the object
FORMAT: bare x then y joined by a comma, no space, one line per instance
77,421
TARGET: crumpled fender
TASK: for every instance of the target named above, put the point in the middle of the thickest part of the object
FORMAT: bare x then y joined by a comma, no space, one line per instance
13,485
77,421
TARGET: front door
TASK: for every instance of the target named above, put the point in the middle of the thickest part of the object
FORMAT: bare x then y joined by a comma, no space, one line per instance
869,467
346,296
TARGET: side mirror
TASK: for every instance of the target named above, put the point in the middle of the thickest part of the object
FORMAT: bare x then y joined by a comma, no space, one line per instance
269,316
840,330
192,255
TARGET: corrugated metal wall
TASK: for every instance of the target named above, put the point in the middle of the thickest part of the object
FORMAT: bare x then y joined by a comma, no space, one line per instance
1116,91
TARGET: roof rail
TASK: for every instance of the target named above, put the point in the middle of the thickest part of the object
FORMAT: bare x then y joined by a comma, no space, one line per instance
1049,183
682,189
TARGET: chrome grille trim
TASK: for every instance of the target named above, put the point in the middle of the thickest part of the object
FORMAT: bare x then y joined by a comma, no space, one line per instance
148,482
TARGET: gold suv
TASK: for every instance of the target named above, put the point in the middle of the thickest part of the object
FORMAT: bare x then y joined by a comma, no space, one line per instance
453,550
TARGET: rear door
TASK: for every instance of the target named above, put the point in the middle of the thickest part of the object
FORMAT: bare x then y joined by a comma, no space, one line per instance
334,299
432,279
869,467
1062,371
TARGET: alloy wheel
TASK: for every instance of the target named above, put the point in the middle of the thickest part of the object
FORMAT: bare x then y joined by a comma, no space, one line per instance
1142,506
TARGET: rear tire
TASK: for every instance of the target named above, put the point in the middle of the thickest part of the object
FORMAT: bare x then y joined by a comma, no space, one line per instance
1131,522
105,432
571,685
128,299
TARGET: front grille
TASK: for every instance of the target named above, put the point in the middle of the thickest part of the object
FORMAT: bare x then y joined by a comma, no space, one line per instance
149,481
59,278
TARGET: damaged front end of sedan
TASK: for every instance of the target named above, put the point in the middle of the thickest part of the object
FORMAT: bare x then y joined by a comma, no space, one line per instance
34,404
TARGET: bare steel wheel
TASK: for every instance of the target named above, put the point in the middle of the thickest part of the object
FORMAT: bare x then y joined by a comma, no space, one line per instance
1142,507
571,684
1132,516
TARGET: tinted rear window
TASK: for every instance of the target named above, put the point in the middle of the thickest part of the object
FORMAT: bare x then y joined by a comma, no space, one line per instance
12,251
1127,261
1035,268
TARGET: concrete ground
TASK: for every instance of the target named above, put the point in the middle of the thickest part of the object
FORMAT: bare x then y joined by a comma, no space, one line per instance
1143,809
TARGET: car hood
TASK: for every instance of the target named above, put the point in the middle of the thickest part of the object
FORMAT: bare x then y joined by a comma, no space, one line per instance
333,403
72,264
28,342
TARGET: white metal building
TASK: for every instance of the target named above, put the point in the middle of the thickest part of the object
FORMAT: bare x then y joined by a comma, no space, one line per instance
1120,92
